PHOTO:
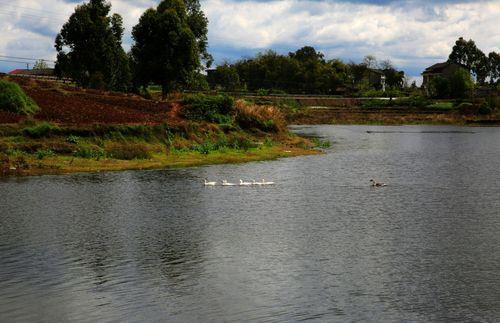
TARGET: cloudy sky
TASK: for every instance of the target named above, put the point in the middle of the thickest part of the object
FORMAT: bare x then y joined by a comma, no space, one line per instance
412,34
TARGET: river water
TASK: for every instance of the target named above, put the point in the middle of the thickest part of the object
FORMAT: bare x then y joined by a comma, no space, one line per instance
320,245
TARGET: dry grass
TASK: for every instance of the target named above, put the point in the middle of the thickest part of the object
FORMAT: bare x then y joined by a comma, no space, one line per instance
262,117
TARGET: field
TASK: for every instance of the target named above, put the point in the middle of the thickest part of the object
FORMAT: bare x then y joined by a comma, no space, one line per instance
72,106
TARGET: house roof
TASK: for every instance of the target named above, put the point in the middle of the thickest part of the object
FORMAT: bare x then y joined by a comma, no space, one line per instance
439,67
43,71
17,71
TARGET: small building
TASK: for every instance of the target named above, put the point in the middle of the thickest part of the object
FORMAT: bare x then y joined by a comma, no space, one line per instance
445,69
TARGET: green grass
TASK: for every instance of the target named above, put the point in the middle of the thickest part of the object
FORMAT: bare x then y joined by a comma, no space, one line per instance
441,106
13,99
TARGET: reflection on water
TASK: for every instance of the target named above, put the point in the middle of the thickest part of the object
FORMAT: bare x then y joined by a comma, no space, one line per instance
321,244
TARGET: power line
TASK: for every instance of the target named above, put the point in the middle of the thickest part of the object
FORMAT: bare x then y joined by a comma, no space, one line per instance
28,59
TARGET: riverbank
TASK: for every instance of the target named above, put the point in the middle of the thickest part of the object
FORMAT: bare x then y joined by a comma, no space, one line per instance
77,130
388,116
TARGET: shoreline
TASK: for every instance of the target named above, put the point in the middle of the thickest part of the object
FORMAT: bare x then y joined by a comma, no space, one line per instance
61,165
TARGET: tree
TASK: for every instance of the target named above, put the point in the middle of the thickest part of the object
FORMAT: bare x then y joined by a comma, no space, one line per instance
166,48
466,53
227,77
89,48
494,67
40,65
370,61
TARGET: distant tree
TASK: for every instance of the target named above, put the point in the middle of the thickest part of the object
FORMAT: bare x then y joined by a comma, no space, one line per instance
227,77
466,53
166,48
89,48
494,67
370,61
40,65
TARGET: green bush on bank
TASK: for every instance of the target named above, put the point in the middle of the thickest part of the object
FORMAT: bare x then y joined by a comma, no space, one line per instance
13,99
44,129
207,108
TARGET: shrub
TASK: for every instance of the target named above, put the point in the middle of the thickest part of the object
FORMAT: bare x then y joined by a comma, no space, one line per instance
89,152
72,139
42,153
265,118
13,99
441,106
439,87
485,108
206,107
128,151
460,84
40,130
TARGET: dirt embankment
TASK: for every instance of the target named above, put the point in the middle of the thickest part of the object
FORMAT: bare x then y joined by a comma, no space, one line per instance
73,106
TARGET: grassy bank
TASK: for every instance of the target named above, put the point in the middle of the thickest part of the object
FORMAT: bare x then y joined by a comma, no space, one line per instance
78,131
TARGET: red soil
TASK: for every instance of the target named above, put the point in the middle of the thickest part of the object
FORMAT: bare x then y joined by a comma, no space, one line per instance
71,106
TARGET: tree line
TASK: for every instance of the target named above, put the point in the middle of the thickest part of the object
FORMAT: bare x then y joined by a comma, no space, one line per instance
170,49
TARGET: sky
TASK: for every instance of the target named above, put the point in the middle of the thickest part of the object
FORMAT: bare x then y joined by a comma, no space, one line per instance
412,34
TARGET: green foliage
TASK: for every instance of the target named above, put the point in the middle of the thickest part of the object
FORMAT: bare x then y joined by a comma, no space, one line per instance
485,108
128,151
226,77
466,53
209,108
72,139
13,99
42,153
89,152
439,87
441,106
169,42
460,84
44,129
89,48
319,143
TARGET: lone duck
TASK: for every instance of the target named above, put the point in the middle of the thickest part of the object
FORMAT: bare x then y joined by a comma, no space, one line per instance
266,183
210,183
377,184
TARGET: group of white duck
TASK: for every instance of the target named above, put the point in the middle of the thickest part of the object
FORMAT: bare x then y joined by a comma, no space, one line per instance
242,183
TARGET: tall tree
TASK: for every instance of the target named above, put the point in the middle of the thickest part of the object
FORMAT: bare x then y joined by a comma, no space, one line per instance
89,47
494,67
167,48
466,53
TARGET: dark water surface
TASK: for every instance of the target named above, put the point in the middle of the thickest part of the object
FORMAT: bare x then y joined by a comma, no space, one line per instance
320,245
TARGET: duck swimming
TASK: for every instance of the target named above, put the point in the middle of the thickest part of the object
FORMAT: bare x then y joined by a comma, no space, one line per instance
226,183
377,184
244,183
209,183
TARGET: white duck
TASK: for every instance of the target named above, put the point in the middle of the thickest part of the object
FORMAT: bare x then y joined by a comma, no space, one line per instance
242,183
256,183
226,183
266,183
377,184
207,183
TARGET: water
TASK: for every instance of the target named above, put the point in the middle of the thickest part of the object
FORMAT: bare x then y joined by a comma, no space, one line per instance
321,245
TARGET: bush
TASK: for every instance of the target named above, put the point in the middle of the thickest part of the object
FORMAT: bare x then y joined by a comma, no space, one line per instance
89,152
485,108
206,107
460,84
42,153
13,99
265,118
40,130
128,151
72,139
439,87
441,106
